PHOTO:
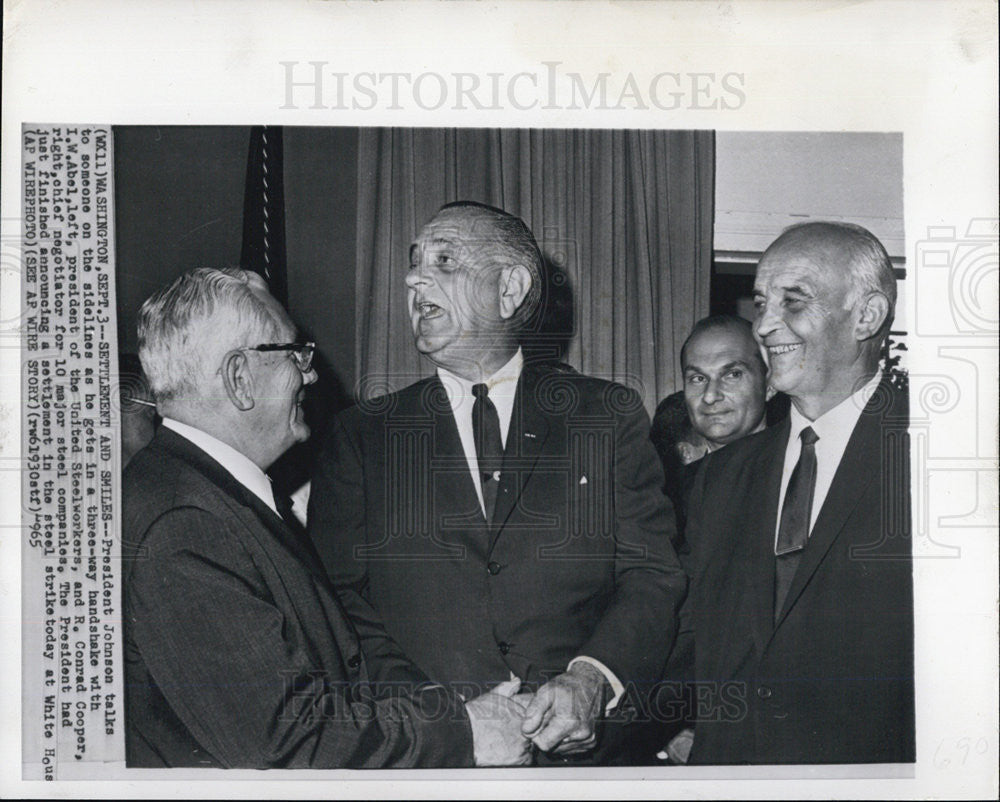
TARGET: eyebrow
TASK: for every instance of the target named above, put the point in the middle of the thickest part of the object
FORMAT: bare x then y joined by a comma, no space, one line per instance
441,241
798,289
436,241
736,363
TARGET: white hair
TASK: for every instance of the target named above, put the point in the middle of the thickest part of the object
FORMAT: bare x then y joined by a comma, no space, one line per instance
186,329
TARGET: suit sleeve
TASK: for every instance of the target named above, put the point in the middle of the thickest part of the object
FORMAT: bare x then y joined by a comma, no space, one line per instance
680,665
338,527
237,671
638,628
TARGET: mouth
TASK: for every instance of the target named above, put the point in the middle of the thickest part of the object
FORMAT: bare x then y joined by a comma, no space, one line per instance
779,350
428,310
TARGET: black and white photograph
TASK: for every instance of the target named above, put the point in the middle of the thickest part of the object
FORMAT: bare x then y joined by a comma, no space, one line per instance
484,421
486,508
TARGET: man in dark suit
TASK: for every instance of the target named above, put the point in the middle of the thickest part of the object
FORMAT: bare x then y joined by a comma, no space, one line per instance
237,651
724,398
801,607
503,518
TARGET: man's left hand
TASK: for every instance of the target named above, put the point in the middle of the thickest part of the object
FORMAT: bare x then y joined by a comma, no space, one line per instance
562,716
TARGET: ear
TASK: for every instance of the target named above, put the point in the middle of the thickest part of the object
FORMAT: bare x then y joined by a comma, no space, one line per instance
769,393
238,380
873,310
515,284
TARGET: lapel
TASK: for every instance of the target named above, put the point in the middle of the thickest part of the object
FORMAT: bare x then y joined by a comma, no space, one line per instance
245,505
762,502
452,489
854,474
526,436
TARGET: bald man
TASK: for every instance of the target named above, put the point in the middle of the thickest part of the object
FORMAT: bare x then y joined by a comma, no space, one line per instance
801,608
725,380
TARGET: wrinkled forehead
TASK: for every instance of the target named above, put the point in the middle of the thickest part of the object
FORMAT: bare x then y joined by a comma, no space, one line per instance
469,229
807,258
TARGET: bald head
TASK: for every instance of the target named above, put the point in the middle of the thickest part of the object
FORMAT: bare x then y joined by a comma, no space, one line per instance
725,387
824,295
847,248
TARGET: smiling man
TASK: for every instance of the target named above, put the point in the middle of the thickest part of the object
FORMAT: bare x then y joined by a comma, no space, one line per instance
801,608
504,518
237,650
725,380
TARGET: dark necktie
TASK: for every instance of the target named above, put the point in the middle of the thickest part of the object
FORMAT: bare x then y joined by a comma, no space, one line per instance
284,505
796,512
299,534
489,446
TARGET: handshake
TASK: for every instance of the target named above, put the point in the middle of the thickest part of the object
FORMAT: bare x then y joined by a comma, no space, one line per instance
559,718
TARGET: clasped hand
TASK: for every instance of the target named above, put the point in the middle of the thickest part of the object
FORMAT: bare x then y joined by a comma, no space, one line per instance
560,718
496,719
563,714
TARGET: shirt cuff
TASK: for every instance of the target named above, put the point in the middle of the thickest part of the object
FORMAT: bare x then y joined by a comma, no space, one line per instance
616,687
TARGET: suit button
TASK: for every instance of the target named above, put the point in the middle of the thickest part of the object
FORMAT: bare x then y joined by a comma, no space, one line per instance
764,692
354,661
503,647
494,568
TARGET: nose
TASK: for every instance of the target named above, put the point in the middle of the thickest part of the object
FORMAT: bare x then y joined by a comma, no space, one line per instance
416,277
767,321
712,392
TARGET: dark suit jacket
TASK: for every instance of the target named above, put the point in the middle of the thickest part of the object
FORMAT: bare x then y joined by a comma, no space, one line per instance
832,681
577,560
237,652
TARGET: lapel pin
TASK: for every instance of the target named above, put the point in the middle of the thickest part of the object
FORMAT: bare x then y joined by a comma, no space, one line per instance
531,435
583,480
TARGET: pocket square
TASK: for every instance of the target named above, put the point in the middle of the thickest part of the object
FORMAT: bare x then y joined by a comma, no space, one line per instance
583,480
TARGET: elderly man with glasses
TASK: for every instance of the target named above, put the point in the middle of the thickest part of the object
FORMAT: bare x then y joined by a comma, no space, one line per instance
237,650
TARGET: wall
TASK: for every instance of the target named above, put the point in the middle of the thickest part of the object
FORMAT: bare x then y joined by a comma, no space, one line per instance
766,181
321,188
178,205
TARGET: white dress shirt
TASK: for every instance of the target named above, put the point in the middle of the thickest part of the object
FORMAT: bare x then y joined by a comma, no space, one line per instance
241,467
502,388
834,428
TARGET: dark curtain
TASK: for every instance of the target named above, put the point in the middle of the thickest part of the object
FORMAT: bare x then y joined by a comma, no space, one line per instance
624,219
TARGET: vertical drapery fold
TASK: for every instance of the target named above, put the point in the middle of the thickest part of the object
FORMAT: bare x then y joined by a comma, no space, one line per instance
623,217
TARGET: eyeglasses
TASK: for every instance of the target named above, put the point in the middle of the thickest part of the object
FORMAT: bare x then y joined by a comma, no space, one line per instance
302,353
128,399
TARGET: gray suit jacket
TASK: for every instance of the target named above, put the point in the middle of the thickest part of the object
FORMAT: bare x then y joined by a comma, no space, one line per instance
237,650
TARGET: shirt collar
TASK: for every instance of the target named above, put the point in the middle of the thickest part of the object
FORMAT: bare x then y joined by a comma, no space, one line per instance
504,380
239,465
838,422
